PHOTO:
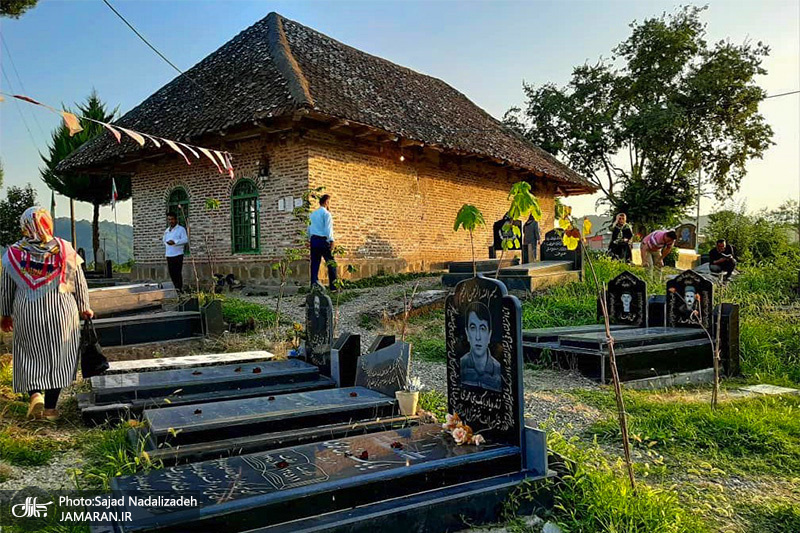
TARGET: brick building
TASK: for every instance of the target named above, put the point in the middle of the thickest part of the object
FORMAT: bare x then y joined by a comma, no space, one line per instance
399,152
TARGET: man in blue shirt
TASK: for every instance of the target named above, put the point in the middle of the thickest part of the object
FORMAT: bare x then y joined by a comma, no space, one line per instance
320,230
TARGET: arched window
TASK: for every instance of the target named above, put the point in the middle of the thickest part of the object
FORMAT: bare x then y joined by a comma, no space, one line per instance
178,202
244,217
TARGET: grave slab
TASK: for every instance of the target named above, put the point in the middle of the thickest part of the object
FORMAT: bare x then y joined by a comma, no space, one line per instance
192,424
195,361
121,299
385,370
254,491
630,338
766,389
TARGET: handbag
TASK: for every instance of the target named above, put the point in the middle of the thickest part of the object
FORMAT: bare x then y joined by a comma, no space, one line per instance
93,362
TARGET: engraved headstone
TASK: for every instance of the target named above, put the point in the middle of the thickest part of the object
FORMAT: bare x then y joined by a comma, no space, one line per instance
626,299
385,370
689,300
483,336
687,236
380,342
344,359
319,329
729,338
554,249
499,234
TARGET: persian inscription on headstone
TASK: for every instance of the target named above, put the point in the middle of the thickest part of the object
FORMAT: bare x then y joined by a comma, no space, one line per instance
319,329
553,249
385,370
689,300
483,336
687,236
499,234
626,299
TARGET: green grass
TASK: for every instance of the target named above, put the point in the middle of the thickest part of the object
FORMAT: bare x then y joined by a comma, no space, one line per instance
236,311
751,435
344,296
595,497
25,449
426,335
773,517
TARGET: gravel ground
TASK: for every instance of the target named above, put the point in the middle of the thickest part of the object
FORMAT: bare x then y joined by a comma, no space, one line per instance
50,476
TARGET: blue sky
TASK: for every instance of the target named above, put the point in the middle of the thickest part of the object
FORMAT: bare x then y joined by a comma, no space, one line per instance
64,48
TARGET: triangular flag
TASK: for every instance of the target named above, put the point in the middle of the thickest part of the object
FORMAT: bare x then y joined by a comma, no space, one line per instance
191,150
155,141
114,194
113,131
228,164
31,100
220,158
133,135
175,147
72,123
211,157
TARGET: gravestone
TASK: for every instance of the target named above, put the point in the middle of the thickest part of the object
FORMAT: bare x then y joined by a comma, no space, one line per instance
319,329
483,336
82,254
385,370
687,236
553,249
498,234
380,342
626,299
729,338
344,359
657,311
689,301
100,260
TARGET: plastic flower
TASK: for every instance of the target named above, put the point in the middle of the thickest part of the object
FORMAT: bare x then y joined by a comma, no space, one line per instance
477,440
451,422
460,435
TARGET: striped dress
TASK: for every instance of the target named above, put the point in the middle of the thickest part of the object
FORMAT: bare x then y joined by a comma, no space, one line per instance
47,329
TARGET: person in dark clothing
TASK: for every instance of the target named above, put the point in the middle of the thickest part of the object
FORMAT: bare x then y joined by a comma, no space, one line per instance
722,259
621,235
320,231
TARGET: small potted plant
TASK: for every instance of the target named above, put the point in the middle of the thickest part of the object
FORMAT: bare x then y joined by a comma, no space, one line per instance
409,397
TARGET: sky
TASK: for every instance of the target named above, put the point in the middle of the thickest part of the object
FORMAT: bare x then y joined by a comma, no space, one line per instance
62,49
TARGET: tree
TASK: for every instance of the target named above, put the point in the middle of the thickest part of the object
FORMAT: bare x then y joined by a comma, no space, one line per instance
15,8
786,215
470,218
95,189
2,173
17,200
642,124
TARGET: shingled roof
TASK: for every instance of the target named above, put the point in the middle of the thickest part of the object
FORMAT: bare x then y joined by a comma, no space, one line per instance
277,66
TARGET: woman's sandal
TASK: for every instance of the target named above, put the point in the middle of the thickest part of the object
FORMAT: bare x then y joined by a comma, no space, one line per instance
36,407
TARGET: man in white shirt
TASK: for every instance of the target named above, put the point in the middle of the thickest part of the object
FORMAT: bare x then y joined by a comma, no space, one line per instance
320,231
175,238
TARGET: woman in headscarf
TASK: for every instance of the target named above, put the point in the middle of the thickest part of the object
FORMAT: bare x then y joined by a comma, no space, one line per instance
621,235
43,294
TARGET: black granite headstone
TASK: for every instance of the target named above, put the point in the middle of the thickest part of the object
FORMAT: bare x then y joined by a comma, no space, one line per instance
657,311
483,336
689,300
380,342
626,299
319,329
729,338
687,236
385,370
499,234
213,324
553,249
344,359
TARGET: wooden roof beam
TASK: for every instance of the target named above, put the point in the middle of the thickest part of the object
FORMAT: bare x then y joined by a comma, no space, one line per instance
405,143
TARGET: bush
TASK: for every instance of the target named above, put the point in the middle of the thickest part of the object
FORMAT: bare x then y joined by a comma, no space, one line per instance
236,311
753,237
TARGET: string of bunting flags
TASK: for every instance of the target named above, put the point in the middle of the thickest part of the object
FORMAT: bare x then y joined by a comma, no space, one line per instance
220,159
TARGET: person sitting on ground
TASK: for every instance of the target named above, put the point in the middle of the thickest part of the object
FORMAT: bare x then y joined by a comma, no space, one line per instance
722,259
43,294
621,235
655,247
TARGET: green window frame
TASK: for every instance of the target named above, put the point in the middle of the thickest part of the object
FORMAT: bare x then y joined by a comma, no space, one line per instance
178,201
245,225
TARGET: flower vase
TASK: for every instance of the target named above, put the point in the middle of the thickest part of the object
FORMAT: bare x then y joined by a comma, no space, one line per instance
408,402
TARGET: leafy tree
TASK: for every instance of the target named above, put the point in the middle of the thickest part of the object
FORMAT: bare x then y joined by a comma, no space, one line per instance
17,200
2,173
470,218
786,215
95,189
15,8
642,124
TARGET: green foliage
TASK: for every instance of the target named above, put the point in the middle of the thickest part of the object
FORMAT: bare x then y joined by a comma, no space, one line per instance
26,449
15,8
753,237
434,402
17,200
523,203
212,204
595,497
469,217
642,123
756,435
428,349
109,454
786,215
236,311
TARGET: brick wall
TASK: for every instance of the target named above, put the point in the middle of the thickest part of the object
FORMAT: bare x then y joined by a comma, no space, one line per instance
390,215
